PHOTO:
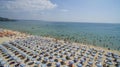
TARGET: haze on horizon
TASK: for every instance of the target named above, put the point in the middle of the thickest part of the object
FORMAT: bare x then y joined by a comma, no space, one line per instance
105,11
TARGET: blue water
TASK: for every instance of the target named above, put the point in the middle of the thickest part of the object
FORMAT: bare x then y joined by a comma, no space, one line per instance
97,34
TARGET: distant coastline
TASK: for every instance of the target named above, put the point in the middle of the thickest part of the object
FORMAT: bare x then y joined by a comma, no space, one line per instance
6,19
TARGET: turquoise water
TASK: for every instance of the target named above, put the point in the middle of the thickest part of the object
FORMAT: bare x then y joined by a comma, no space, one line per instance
97,34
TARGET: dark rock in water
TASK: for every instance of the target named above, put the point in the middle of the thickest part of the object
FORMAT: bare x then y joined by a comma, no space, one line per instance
106,45
100,40
108,48
33,28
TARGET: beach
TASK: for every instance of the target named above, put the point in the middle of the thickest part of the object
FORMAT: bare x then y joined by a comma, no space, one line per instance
8,35
36,51
56,33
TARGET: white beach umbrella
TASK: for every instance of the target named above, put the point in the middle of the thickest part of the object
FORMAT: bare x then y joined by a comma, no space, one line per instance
3,62
79,65
118,60
99,65
1,59
109,58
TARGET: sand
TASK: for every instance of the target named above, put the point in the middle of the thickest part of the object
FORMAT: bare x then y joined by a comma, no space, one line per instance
8,35
4,39
22,35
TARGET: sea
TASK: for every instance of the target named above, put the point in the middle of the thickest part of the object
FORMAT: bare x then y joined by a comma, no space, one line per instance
105,35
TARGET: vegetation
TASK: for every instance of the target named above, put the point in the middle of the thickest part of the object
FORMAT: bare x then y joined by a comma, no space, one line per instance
5,19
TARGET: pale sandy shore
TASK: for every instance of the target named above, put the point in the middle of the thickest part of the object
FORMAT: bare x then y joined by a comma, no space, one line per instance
12,35
35,48
4,39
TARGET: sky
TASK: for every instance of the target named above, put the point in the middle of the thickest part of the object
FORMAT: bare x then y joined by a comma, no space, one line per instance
104,11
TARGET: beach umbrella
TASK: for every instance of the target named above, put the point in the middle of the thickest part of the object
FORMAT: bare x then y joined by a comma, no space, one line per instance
15,58
82,60
3,62
90,62
1,59
37,62
109,54
79,65
33,59
110,63
100,56
58,56
18,60
63,59
91,57
118,60
109,58
99,65
7,65
86,55
22,65
51,60
99,60
71,62
46,58
93,54
58,64
43,65
116,56
30,57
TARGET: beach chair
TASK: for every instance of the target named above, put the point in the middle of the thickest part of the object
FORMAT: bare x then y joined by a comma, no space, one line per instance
31,63
26,60
49,65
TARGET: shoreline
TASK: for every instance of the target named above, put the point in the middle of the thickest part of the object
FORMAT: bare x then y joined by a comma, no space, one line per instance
24,35
84,48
